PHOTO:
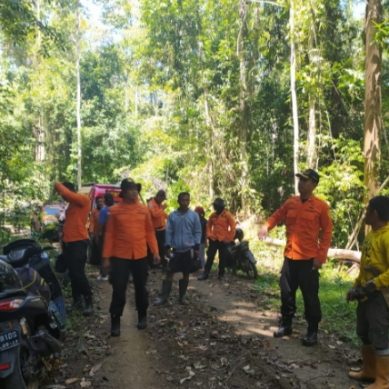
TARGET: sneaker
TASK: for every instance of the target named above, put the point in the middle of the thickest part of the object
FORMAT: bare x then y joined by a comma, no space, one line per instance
102,278
203,276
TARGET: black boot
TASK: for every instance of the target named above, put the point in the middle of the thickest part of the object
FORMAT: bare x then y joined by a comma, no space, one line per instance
165,292
88,308
77,304
183,286
142,321
284,329
310,339
115,325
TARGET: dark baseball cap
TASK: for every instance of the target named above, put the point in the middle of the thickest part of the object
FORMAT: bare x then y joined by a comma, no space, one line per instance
309,174
127,184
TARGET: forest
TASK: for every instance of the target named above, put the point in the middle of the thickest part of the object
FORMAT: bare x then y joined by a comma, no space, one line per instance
222,98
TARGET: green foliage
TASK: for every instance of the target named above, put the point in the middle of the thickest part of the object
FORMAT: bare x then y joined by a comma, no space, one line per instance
342,187
339,316
186,95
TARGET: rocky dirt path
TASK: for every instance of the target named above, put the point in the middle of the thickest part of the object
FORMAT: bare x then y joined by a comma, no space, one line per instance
222,339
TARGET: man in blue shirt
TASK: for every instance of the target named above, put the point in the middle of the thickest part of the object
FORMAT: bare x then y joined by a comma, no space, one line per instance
103,217
183,237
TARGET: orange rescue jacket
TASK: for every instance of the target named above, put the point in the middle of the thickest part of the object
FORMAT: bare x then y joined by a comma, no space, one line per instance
221,227
77,212
158,214
128,232
308,227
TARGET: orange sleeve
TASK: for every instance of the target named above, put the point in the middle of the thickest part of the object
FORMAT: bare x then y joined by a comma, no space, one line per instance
278,216
326,233
108,238
232,227
150,235
71,197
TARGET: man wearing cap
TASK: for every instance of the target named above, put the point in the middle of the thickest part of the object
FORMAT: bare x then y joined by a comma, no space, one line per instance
158,218
308,237
220,233
128,233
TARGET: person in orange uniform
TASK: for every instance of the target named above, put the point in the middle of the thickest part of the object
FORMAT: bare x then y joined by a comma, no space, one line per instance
308,233
158,218
220,233
129,231
75,243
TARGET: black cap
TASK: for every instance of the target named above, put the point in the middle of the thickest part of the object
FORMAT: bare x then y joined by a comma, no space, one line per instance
127,184
309,174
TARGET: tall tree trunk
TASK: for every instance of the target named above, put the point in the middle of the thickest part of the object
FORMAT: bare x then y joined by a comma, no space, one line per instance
243,106
373,118
296,137
311,148
39,129
208,122
78,103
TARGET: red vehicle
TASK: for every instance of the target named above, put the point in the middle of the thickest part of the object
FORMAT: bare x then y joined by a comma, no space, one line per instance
98,190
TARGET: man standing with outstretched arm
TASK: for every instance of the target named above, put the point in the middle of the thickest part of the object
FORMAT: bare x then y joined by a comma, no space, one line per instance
75,243
308,237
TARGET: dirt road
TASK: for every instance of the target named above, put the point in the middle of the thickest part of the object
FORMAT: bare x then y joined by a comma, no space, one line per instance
222,339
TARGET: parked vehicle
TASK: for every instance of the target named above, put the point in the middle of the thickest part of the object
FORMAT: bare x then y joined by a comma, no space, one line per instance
31,314
47,222
97,190
241,256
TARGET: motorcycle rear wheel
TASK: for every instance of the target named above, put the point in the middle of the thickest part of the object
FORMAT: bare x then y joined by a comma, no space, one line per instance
251,270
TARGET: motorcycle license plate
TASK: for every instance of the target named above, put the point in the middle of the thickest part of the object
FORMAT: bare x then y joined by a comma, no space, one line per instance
8,340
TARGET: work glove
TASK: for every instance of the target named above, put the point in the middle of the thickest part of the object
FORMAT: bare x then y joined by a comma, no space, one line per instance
356,294
370,288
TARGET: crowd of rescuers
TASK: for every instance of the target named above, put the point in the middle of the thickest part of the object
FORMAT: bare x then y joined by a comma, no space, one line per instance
131,232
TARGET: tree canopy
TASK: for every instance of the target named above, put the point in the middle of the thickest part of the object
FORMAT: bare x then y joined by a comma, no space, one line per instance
192,95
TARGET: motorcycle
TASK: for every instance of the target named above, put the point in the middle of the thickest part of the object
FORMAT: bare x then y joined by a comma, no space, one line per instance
31,322
241,257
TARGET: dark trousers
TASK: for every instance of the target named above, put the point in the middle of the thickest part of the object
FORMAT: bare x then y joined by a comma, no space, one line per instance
160,235
300,274
96,250
373,321
120,272
224,255
75,257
